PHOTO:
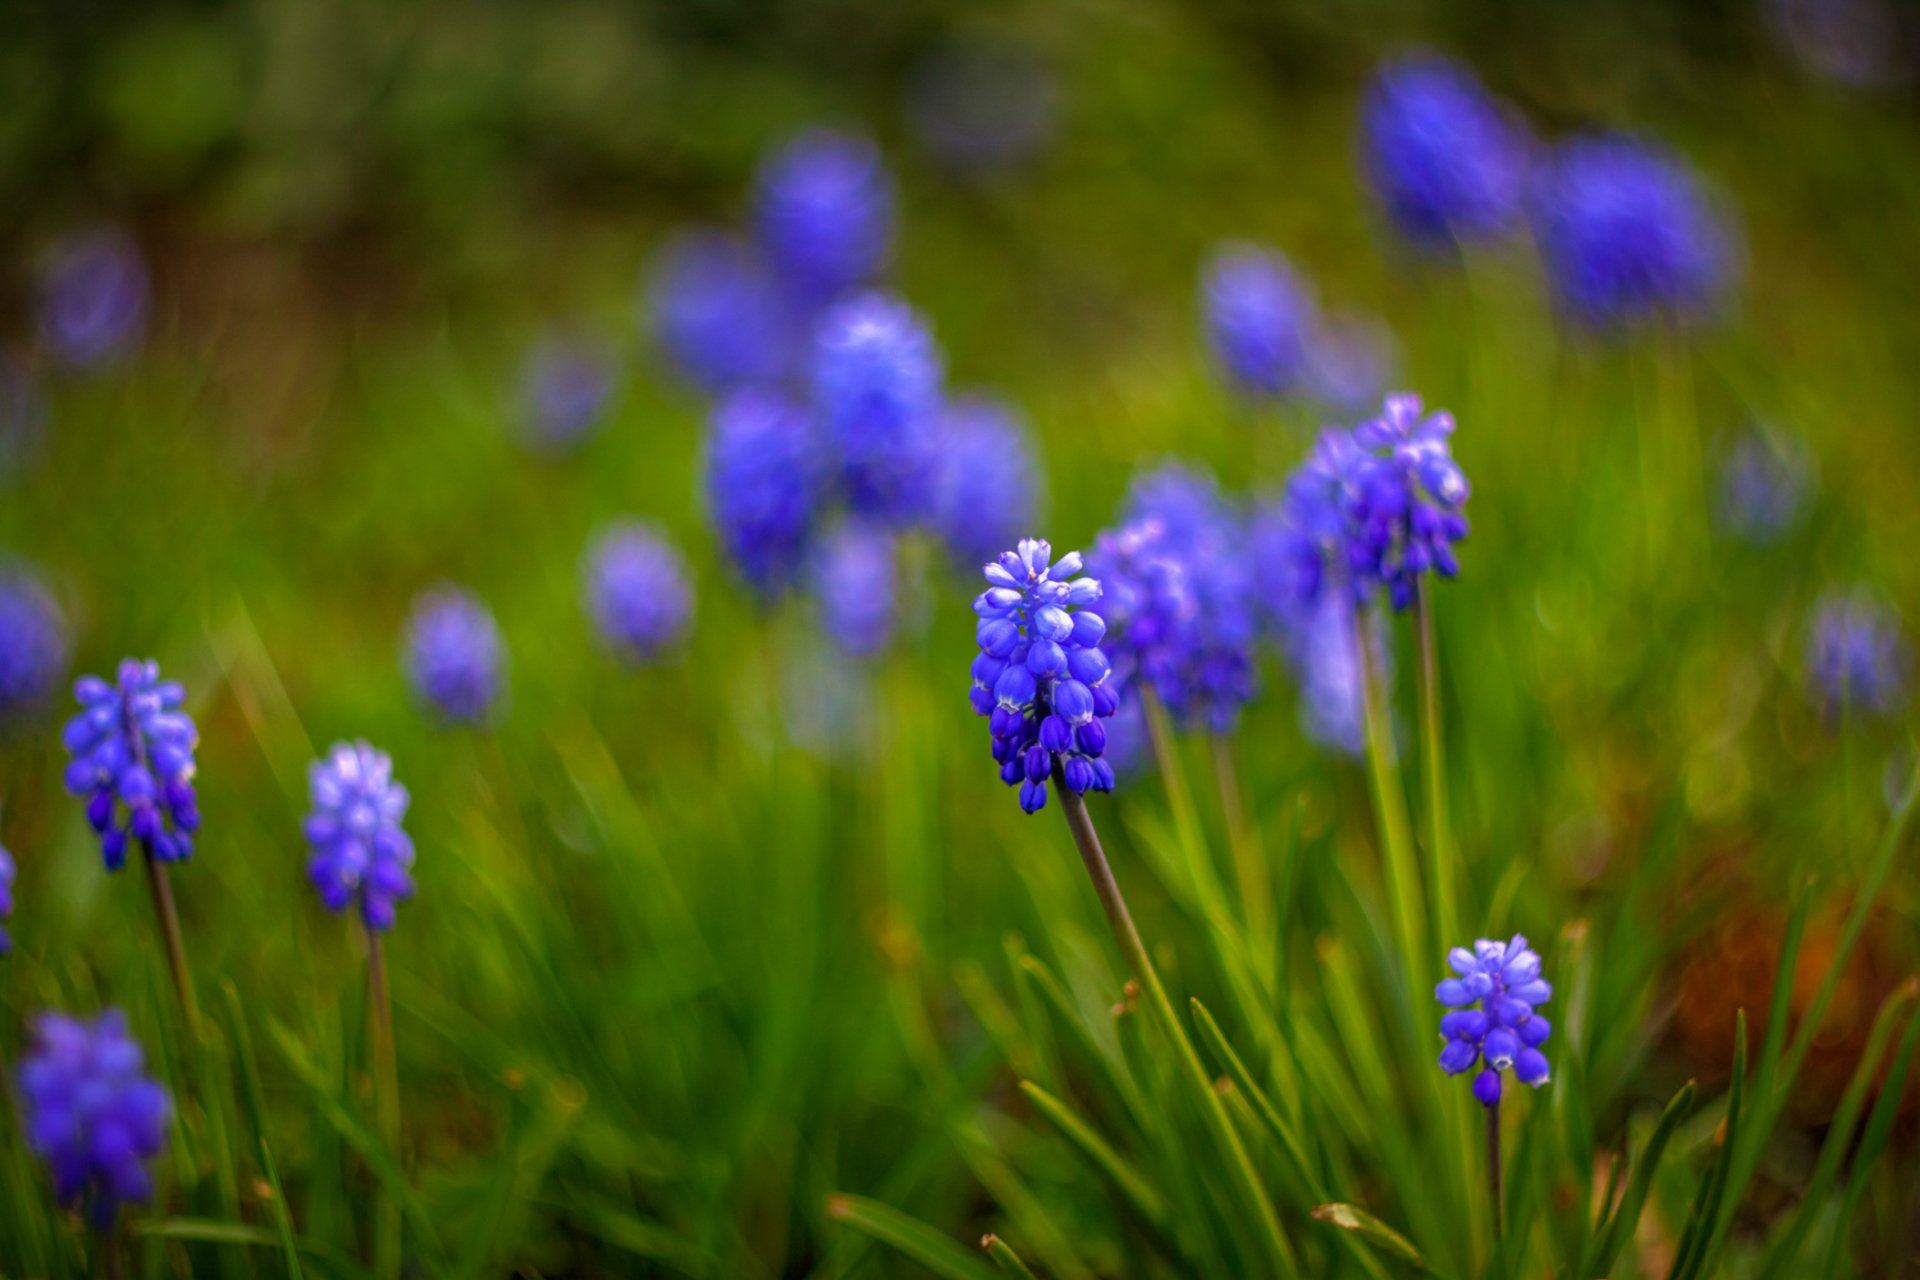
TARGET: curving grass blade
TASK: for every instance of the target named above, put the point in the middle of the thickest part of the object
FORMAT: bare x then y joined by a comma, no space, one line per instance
909,1235
1620,1225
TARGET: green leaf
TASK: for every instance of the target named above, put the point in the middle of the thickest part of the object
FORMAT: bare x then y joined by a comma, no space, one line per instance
1705,1226
254,1099
909,1235
243,1235
1873,1141
1224,1056
1109,1163
1359,1222
1620,1225
1005,1258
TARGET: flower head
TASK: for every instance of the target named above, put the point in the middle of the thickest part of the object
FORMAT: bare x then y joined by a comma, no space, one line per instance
33,641
94,297
987,478
1040,676
877,386
716,313
359,851
1442,155
1856,657
1412,492
453,654
91,1112
565,386
1503,1032
1765,482
1628,234
1259,318
763,486
6,899
637,591
824,211
853,581
132,749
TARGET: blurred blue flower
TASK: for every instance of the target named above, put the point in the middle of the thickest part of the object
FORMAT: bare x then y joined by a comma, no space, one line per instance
565,385
716,312
132,749
1765,482
6,900
94,297
33,641
1325,655
91,1112
1444,157
1040,676
23,415
1413,492
1863,44
1503,1033
1259,319
1628,234
983,106
1857,659
877,386
637,591
824,211
1352,359
763,486
453,655
854,583
987,480
359,851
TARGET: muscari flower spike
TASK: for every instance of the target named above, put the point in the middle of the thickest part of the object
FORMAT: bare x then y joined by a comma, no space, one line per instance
6,900
33,641
853,582
716,313
565,386
94,297
1856,658
1443,157
1765,483
985,488
1503,1033
1040,676
877,386
637,591
1411,492
763,486
453,654
360,853
132,749
1259,320
824,212
91,1112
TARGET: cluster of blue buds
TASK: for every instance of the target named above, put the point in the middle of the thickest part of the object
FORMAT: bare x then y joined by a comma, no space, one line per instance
1766,479
94,297
763,486
637,591
986,487
824,212
453,655
1040,676
565,385
1442,155
716,312
1259,319
1503,1033
1413,491
853,581
1856,657
359,851
91,1112
33,641
877,376
6,900
132,749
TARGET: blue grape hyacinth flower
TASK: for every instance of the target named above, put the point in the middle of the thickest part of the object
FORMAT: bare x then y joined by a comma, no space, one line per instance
360,853
1503,1033
637,591
988,478
763,483
877,387
94,298
91,1113
6,900
1444,157
1628,234
1040,677
1766,480
854,585
33,641
1412,495
1259,320
453,654
132,749
716,313
565,387
824,213
1857,660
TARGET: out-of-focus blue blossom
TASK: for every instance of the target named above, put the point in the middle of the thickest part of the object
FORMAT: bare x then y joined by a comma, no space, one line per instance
1325,654
565,385
1151,608
91,1113
132,750
763,486
360,853
1857,659
854,583
1259,319
23,415
824,211
1352,360
988,478
33,641
982,107
1765,481
1628,234
1040,676
1444,157
1413,492
94,297
453,655
877,385
637,591
6,900
716,312
1864,44
1503,1033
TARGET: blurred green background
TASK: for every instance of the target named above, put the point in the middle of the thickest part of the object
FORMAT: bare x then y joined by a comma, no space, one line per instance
677,971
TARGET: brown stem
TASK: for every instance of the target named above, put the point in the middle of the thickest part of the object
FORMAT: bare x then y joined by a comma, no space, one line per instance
169,918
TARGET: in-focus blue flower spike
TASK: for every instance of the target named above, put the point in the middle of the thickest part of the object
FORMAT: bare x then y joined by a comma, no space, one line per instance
6,900
94,297
1413,492
716,313
565,387
763,486
1260,320
1040,676
637,591
1857,660
854,584
824,212
132,749
1492,1023
988,478
360,854
454,656
91,1113
877,386
33,641
1443,156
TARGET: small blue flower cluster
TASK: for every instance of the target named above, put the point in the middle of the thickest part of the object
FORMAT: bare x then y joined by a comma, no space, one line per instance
853,583
1443,156
763,485
1413,492
94,298
565,386
1040,676
453,655
91,1112
1766,480
824,211
1504,1033
1260,319
877,387
359,851
987,486
1856,658
132,749
33,641
717,313
637,591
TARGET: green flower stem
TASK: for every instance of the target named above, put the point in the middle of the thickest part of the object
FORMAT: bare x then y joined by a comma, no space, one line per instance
386,1102
1493,1170
1249,858
1440,857
1390,809
169,918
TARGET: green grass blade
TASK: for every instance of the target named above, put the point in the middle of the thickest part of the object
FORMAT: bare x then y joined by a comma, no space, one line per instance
1222,1052
1624,1220
1706,1227
243,1235
909,1235
1873,1142
1145,1199
1359,1222
254,1099
1005,1258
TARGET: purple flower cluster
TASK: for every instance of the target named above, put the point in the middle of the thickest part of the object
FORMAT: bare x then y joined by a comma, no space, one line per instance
1765,483
853,582
1443,156
824,211
1856,658
453,655
132,750
359,851
6,900
877,386
637,591
716,312
1413,491
986,485
1503,1033
33,641
94,298
91,1112
1040,676
1259,320
565,385
763,485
